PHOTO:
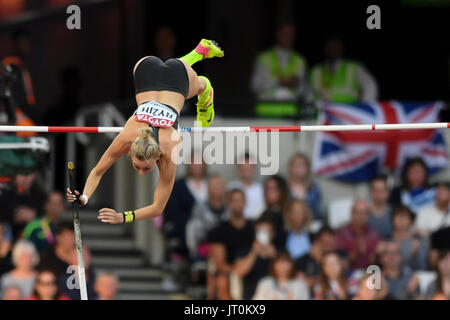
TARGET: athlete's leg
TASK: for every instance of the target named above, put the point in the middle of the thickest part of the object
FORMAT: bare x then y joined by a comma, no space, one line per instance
206,49
201,86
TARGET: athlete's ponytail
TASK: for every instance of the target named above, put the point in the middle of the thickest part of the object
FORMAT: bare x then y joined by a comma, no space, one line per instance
144,147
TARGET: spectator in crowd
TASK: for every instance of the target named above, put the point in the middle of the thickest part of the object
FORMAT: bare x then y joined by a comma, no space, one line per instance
68,101
281,283
436,215
280,72
6,240
225,241
106,285
301,183
415,191
22,91
206,216
25,259
357,239
439,241
41,232
253,262
12,293
369,291
46,287
23,202
165,43
254,191
332,283
341,80
439,289
308,266
414,250
68,277
186,193
402,283
298,217
58,257
380,217
276,197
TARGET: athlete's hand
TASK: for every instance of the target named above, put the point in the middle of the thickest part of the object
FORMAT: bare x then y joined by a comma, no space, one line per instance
75,197
107,215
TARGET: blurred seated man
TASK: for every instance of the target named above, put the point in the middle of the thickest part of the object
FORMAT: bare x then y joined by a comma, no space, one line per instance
58,257
254,191
280,72
357,239
436,215
206,216
67,280
308,266
401,281
341,80
225,241
12,293
23,202
41,232
106,285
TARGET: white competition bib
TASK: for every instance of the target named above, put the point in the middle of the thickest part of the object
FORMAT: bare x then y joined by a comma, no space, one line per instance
156,114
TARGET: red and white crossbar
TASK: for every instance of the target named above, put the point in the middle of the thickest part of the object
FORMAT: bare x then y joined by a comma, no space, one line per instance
306,128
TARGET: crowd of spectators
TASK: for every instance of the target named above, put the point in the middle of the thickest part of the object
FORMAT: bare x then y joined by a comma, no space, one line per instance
37,250
272,239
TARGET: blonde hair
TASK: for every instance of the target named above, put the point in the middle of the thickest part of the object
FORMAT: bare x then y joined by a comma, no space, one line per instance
144,147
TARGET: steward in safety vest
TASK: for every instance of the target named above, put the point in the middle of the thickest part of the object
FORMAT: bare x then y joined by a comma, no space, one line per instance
340,80
279,72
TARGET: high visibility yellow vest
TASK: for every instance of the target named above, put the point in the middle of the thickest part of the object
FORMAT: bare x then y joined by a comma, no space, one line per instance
341,86
292,68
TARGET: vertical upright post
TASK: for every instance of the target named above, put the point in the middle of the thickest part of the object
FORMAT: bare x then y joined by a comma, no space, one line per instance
78,243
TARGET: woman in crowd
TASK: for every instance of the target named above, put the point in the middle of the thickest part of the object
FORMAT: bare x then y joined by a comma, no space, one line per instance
301,184
25,258
440,288
46,287
297,217
276,198
414,250
415,191
281,284
332,284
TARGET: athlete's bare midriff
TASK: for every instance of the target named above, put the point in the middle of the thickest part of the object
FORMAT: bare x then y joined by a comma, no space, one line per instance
173,99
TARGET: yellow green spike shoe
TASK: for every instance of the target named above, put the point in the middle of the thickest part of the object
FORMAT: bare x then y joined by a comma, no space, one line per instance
209,49
205,109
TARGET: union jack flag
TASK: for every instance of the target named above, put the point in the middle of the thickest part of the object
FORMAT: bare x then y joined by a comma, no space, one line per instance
359,156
